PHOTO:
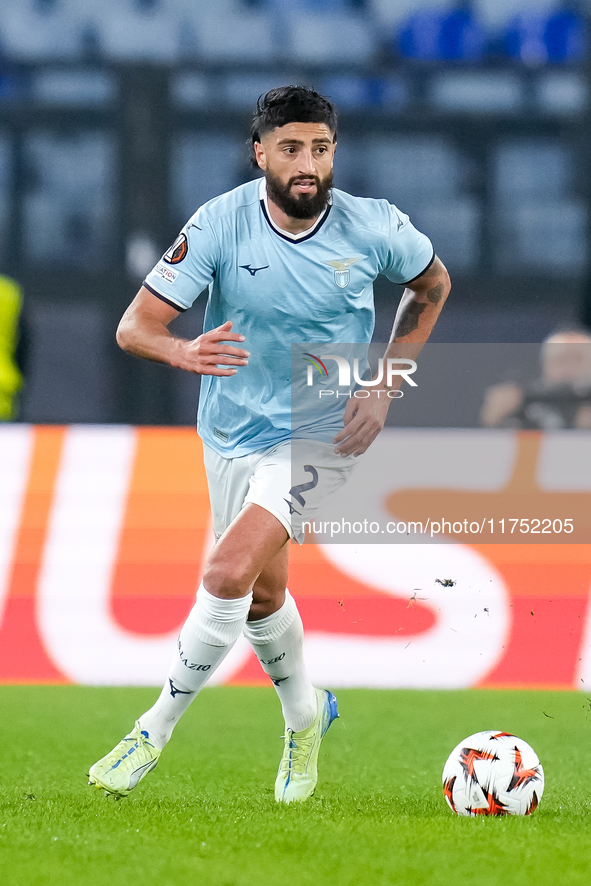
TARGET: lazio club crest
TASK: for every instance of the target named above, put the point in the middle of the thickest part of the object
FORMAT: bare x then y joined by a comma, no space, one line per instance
342,273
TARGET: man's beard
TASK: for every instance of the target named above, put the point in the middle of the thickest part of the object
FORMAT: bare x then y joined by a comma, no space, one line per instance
304,206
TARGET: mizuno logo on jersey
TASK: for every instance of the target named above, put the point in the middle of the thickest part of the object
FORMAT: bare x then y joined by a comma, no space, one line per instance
400,221
252,271
342,274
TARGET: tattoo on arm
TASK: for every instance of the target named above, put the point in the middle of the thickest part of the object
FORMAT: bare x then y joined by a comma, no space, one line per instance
410,318
434,270
436,294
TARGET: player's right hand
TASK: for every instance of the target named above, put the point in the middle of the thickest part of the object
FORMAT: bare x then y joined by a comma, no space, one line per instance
210,352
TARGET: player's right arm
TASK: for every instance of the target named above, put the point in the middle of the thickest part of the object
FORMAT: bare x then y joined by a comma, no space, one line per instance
143,332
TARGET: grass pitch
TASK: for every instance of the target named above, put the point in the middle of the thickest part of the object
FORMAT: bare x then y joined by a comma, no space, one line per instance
207,814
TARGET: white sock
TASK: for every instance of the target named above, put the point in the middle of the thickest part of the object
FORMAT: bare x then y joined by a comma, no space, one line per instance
210,631
278,644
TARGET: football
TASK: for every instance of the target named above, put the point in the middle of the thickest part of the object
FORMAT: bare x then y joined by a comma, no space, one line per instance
493,773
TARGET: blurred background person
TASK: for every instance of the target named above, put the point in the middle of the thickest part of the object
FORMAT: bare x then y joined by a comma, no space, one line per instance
11,378
559,398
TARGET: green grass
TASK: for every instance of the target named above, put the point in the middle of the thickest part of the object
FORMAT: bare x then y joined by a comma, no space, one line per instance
207,814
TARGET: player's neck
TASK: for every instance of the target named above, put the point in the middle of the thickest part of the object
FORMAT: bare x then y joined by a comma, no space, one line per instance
286,222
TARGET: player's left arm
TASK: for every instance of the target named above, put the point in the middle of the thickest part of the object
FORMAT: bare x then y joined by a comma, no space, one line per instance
419,308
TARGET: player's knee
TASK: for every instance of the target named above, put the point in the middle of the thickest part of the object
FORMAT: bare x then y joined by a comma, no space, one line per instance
262,608
226,579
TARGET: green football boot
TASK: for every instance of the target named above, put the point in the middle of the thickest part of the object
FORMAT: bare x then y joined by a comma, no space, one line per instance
121,771
298,769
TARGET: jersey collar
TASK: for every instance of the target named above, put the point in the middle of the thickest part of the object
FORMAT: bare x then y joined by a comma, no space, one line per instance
292,238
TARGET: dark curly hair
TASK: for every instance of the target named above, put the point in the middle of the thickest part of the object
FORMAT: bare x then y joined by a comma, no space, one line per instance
290,104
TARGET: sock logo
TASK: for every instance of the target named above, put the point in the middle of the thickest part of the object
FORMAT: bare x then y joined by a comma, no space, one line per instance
192,665
271,661
174,691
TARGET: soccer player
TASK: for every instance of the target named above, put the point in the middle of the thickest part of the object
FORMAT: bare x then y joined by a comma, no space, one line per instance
287,259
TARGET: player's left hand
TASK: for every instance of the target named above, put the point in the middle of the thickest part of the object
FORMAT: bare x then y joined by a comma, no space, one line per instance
364,419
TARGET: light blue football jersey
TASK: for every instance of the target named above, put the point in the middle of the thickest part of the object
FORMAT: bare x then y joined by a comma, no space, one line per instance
278,290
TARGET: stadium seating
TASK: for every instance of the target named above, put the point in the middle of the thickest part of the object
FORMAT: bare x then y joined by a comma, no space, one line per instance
239,34
536,38
323,37
454,226
546,237
419,37
303,31
462,37
533,36
539,223
434,35
391,16
127,31
205,164
406,167
5,159
496,14
565,36
33,32
426,177
69,199
322,6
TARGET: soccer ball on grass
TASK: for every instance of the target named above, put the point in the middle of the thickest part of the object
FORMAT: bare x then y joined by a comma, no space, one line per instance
493,773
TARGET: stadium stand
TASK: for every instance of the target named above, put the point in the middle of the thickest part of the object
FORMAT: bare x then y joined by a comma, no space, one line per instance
496,14
538,220
434,35
331,37
535,38
34,31
428,177
235,33
205,164
67,207
390,16
128,31
304,31
5,158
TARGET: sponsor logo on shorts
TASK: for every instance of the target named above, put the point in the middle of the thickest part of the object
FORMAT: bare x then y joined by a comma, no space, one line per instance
167,273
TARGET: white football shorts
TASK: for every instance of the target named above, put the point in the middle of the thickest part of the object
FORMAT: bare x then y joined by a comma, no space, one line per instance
290,480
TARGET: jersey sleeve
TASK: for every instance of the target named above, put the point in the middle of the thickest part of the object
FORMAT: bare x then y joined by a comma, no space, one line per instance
188,267
409,251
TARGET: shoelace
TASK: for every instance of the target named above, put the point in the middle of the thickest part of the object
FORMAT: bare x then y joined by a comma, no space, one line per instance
129,745
298,753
